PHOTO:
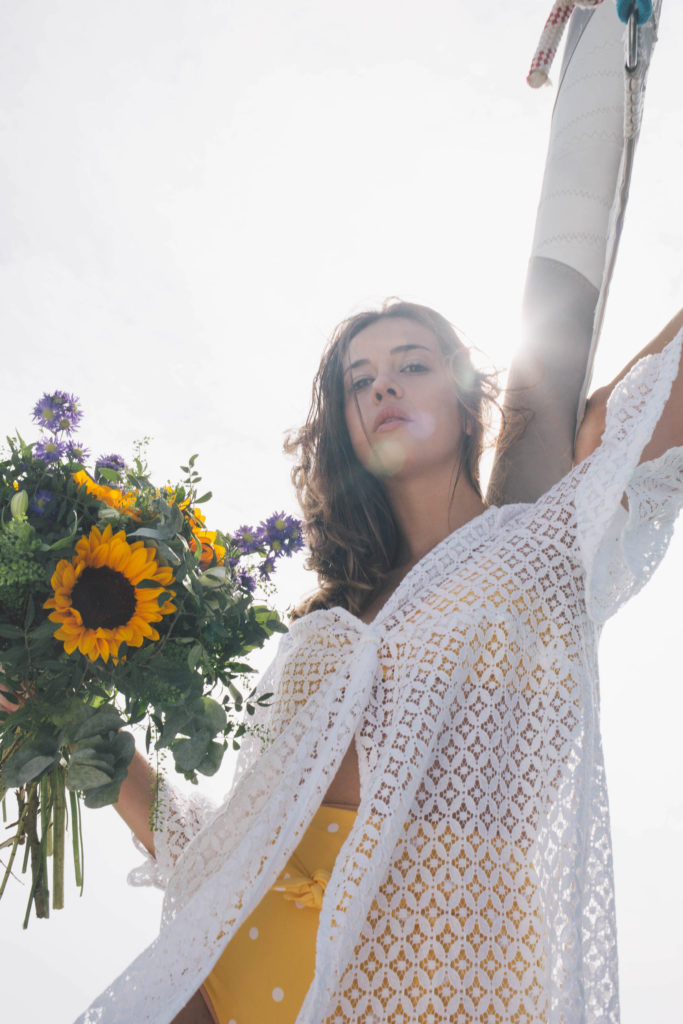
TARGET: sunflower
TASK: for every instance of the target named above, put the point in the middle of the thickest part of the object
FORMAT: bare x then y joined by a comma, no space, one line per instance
98,598
120,500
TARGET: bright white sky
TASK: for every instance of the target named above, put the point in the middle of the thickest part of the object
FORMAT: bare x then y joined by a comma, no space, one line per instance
193,193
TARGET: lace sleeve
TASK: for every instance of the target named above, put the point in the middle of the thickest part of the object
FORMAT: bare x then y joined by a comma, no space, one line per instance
183,815
622,542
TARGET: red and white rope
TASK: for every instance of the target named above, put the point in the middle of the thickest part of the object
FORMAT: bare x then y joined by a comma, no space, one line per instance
550,39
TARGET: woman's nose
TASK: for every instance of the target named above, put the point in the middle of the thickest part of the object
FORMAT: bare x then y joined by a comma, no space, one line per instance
385,387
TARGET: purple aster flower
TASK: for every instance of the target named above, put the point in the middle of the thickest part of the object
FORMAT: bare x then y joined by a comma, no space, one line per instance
58,412
266,568
112,461
76,452
246,580
282,534
44,411
50,450
247,539
42,500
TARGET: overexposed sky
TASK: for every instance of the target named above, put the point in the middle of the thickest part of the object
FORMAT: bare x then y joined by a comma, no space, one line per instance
192,195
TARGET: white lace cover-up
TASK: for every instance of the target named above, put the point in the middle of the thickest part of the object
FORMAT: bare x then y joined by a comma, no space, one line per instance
476,884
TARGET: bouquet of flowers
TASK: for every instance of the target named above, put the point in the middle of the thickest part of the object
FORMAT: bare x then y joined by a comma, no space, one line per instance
118,607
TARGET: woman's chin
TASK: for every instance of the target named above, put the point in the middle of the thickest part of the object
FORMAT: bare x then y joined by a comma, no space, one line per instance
388,455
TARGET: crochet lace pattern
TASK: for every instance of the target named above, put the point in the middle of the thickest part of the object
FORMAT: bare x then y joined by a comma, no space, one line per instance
476,884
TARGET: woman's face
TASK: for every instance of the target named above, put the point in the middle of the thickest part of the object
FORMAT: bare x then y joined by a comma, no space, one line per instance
401,403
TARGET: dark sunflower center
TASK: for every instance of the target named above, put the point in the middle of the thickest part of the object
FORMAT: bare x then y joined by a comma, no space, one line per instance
104,597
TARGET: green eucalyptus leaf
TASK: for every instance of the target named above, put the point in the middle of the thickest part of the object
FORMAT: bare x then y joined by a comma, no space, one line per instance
166,552
212,760
123,747
171,524
214,715
174,722
151,533
103,796
27,764
103,761
189,753
195,656
103,719
86,776
83,748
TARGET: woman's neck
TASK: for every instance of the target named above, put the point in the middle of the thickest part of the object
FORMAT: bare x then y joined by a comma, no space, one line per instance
429,509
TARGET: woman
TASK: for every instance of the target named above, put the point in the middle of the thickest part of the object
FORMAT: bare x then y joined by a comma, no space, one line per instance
434,729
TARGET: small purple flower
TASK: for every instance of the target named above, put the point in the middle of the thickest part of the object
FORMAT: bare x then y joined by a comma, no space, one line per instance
76,452
266,568
44,412
247,540
58,412
246,580
112,461
50,450
282,534
42,501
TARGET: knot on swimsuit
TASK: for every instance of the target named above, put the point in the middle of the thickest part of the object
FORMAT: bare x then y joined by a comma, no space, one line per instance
307,891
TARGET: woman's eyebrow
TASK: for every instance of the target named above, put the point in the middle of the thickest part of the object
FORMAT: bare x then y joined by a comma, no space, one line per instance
397,348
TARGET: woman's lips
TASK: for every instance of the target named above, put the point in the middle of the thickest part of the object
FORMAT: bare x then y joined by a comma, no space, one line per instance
389,418
390,424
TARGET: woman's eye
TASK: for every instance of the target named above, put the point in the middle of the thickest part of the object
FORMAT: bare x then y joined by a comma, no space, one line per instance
360,383
414,368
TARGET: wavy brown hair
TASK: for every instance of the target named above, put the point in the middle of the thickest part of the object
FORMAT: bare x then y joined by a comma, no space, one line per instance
352,534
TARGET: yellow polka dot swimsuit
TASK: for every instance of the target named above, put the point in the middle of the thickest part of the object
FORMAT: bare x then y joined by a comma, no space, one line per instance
267,968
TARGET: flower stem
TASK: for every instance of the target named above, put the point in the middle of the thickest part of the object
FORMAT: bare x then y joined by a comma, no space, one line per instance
58,829
37,894
18,836
46,798
45,842
10,862
76,838
27,853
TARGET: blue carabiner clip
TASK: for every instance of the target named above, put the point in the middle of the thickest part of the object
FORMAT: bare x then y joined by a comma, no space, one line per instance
641,8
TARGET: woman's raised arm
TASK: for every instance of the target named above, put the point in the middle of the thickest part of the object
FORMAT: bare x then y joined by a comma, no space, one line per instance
669,431
136,799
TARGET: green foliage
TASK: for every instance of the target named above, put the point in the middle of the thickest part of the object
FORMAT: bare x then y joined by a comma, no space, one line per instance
21,569
28,762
